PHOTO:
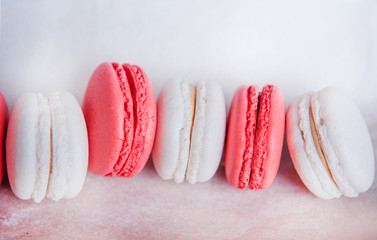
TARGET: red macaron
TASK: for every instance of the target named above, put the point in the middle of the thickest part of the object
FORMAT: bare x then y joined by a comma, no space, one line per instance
120,112
4,116
255,137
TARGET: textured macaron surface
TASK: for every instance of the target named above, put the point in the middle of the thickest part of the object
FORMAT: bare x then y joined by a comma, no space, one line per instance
274,135
120,112
144,106
333,154
240,139
128,121
4,116
260,147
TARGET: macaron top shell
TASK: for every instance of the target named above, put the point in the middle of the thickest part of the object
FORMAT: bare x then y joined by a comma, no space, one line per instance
28,147
345,141
104,111
241,134
144,105
273,107
4,116
69,145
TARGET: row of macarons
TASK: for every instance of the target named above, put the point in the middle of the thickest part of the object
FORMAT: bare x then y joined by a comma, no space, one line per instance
51,141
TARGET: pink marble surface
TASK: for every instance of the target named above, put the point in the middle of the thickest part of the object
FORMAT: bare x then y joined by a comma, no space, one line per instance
146,207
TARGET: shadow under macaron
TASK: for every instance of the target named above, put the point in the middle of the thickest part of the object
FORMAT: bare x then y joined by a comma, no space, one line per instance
287,172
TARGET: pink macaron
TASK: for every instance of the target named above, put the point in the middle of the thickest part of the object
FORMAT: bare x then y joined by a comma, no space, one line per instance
4,116
120,111
255,137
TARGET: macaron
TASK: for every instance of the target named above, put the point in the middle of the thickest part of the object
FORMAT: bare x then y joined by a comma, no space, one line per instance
255,137
329,144
190,131
46,147
4,116
120,112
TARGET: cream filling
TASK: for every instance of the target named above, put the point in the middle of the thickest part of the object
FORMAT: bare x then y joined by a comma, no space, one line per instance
43,149
328,150
310,139
188,93
61,159
198,129
193,104
317,145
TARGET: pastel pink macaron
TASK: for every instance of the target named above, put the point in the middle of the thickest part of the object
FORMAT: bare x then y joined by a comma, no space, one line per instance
120,112
255,137
4,116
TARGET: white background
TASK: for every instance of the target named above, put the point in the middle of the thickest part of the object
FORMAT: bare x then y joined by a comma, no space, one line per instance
298,45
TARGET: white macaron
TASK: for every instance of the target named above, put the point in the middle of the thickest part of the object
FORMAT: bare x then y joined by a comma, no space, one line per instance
47,147
190,133
330,144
